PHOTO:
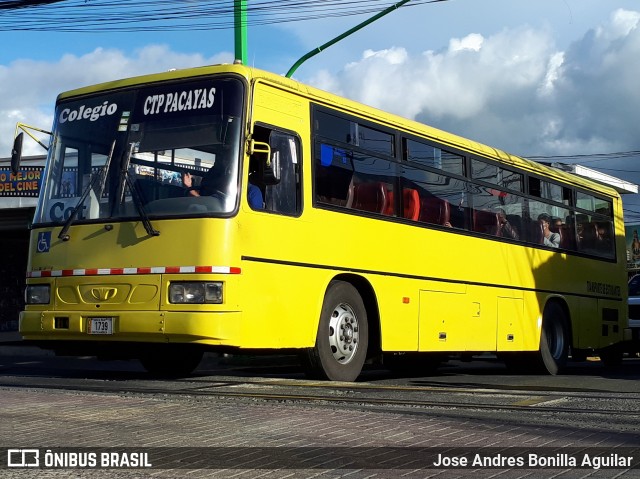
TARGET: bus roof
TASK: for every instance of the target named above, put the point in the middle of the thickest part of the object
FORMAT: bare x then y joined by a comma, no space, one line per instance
374,114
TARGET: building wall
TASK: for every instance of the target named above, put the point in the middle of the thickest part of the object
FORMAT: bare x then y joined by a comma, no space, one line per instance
18,197
14,245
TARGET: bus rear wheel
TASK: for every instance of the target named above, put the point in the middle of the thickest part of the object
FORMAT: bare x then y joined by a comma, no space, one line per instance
554,340
171,361
341,341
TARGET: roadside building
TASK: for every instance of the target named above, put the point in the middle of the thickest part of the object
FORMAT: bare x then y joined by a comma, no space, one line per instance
18,197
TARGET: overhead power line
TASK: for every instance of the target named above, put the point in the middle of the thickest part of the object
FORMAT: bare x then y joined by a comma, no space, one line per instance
587,158
144,15
14,4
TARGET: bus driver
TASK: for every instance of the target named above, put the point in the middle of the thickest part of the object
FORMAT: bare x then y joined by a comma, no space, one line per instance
213,184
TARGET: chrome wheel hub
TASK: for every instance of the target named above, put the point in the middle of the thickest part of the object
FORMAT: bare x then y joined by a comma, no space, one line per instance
344,336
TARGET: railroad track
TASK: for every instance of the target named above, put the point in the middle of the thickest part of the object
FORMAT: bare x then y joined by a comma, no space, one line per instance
365,395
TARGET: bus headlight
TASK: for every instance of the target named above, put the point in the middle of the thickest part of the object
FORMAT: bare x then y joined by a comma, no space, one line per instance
37,294
195,292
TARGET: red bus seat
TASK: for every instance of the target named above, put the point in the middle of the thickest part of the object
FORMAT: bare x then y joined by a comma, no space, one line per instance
411,204
434,210
368,197
486,222
411,200
389,204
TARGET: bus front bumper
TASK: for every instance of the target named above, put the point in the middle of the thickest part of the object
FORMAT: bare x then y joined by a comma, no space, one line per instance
206,328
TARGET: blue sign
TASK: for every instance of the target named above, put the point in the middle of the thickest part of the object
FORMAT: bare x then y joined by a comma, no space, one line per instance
44,242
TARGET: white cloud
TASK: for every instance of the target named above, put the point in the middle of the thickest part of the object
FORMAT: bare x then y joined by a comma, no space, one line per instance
621,24
28,88
553,73
513,89
470,42
597,95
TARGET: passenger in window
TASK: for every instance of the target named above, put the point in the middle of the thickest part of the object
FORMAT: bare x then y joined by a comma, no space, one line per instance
505,229
603,238
549,238
187,182
254,193
214,183
556,223
580,231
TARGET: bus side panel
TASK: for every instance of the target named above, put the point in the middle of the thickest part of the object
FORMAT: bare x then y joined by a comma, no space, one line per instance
600,323
281,292
587,324
398,306
280,108
443,318
511,334
477,319
281,305
613,319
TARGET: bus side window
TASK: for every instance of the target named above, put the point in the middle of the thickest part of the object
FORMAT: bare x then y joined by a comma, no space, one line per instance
333,176
285,196
374,184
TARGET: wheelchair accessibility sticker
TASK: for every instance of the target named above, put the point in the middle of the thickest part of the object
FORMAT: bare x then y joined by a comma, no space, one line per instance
44,242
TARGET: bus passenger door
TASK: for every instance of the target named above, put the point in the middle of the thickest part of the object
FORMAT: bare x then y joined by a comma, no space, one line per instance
281,194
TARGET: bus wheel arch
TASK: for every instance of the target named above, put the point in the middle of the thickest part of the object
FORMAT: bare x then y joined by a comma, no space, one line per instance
368,295
343,334
555,337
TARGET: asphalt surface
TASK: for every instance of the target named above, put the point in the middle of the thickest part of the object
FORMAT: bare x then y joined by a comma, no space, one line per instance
253,417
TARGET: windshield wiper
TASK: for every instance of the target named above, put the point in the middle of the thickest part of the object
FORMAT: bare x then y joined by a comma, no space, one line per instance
97,183
125,178
146,222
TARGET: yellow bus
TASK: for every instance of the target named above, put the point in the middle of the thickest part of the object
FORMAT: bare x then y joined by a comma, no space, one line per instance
228,209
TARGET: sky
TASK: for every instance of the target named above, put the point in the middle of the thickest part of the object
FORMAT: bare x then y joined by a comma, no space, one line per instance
534,78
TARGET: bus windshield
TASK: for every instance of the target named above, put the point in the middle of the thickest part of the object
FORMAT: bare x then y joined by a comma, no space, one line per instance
118,154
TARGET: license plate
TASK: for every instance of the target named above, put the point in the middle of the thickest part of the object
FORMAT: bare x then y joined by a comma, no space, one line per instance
100,326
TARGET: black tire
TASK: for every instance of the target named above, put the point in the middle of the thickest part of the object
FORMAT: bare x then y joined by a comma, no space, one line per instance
555,341
339,357
171,362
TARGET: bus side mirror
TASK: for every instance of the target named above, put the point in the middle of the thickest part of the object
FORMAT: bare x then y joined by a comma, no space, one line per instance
16,153
268,161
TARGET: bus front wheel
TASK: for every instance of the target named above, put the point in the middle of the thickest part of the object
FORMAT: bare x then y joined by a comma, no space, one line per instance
554,340
341,341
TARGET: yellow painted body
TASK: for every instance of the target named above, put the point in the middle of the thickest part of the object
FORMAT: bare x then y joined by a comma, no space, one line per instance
434,290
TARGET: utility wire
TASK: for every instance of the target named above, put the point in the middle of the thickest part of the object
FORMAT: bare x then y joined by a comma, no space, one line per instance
587,158
13,4
162,15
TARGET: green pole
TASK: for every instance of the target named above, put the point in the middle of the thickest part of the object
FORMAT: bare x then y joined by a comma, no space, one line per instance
240,28
317,50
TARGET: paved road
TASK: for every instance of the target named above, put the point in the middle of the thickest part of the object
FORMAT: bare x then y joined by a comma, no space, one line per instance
273,423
